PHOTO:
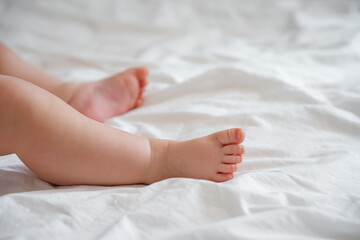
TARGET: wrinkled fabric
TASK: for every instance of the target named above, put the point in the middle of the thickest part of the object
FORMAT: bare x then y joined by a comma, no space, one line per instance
287,72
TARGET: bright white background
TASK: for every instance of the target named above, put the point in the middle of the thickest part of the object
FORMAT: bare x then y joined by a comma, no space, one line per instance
287,72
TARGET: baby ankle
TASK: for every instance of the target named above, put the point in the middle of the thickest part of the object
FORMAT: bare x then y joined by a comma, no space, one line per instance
158,169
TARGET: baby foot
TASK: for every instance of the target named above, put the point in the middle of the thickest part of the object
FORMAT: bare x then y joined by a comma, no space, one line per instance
214,157
110,97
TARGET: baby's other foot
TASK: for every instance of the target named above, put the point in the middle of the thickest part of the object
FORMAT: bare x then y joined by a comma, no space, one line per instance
110,97
214,157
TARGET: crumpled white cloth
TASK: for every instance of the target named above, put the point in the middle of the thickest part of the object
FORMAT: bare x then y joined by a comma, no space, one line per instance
287,72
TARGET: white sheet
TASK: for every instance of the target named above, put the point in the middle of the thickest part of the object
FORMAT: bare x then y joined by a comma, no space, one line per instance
287,72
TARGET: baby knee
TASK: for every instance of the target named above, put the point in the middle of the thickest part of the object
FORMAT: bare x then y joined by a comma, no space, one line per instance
5,54
7,87
6,92
4,50
11,92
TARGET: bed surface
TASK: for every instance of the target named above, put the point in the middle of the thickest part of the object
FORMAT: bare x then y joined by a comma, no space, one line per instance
287,72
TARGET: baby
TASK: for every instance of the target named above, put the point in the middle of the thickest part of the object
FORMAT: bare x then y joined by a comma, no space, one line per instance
56,129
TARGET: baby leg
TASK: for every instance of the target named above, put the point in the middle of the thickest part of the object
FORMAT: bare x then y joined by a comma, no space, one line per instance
61,145
98,100
64,147
11,64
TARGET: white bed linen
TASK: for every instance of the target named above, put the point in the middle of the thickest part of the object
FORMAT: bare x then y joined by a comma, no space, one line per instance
287,72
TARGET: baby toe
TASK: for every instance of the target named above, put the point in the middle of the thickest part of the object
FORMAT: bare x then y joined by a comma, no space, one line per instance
141,73
139,102
227,168
143,82
233,149
232,159
231,136
222,177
